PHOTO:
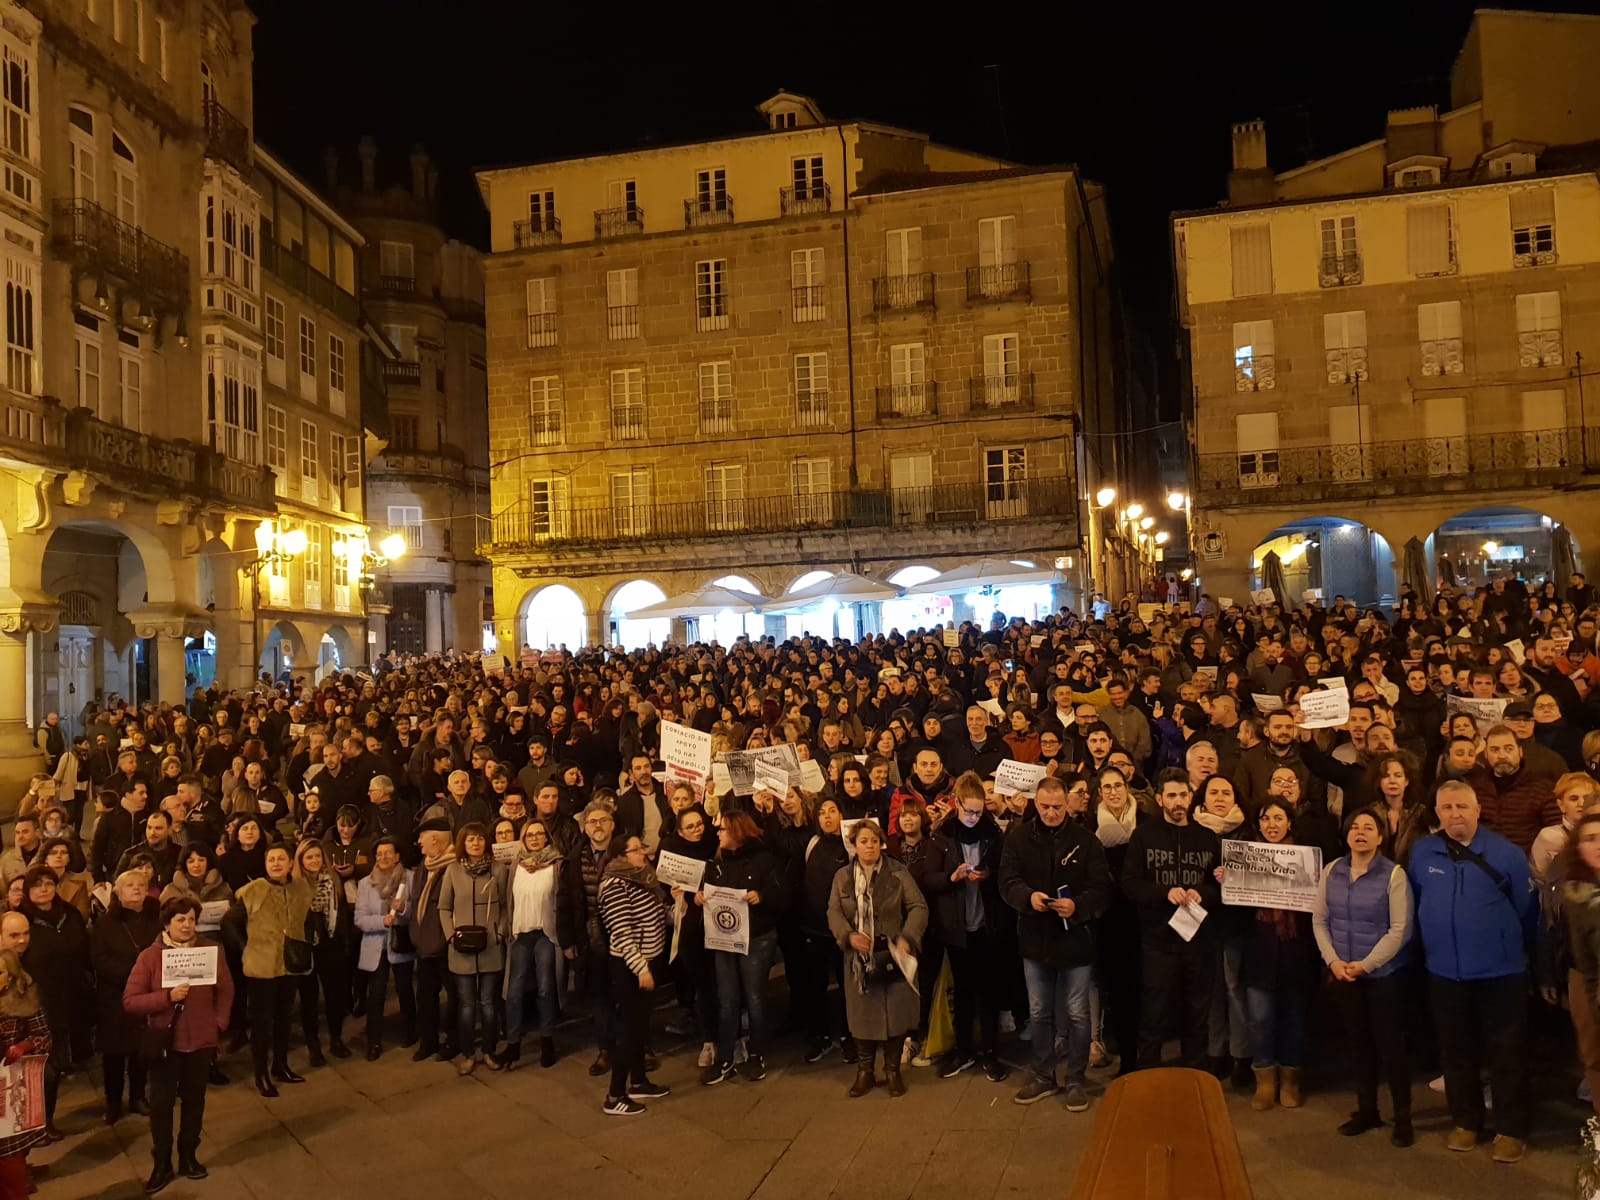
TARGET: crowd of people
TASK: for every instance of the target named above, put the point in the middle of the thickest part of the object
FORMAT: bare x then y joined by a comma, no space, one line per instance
483,848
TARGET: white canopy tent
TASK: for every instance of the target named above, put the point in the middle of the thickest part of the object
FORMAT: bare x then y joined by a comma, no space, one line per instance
844,588
989,572
708,599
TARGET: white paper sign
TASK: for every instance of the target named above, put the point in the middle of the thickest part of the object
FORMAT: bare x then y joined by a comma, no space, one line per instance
1036,641
1012,778
494,664
686,753
1516,650
727,920
741,766
22,1095
680,871
506,852
771,778
811,777
1206,673
1187,919
1225,601
1336,682
211,914
721,781
194,965
992,706
1266,703
296,731
1264,596
1485,713
952,638
1265,875
1324,710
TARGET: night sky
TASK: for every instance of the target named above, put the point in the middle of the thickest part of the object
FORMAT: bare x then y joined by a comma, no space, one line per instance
1139,95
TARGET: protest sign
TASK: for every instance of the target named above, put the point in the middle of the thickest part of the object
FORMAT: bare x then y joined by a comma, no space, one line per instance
493,664
1266,703
741,766
506,852
1186,920
769,777
22,1096
993,707
1268,875
1485,713
680,871
1517,650
1263,596
1336,682
1226,602
194,965
211,914
296,731
727,920
1324,710
686,754
529,657
1206,673
721,780
1012,778
1036,640
952,639
811,777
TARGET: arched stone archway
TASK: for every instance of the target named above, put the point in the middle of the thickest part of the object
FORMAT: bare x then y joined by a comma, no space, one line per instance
634,634
915,612
1334,556
336,651
1472,547
287,649
553,616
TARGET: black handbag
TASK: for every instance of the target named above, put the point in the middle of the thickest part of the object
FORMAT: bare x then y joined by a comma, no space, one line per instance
879,967
470,939
155,1041
400,939
296,956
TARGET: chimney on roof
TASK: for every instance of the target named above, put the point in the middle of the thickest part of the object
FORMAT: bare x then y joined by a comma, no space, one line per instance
433,185
330,169
419,173
1250,181
1409,132
368,153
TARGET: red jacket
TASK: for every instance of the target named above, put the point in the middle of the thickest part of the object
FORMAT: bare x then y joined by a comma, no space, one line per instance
1516,806
205,1013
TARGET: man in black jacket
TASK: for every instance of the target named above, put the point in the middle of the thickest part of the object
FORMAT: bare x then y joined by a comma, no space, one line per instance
1054,873
642,808
1171,865
982,750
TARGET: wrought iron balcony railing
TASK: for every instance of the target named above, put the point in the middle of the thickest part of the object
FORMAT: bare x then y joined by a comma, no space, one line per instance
1001,281
227,137
544,232
623,221
524,527
810,302
891,292
402,285
908,401
309,281
798,201
402,372
1340,269
622,321
708,210
541,329
987,393
96,241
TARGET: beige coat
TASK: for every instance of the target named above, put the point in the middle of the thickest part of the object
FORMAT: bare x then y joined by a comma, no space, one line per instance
272,912
476,900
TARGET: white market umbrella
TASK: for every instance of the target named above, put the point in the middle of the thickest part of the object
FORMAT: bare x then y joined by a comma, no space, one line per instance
846,587
996,572
708,599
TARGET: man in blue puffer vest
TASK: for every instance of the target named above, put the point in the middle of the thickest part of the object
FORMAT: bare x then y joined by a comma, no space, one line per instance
1476,916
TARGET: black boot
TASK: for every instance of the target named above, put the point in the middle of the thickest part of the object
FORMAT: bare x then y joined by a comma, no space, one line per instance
337,1048
547,1052
510,1055
314,1054
160,1176
865,1080
217,1077
1244,1075
891,1066
283,1074
189,1166
265,1086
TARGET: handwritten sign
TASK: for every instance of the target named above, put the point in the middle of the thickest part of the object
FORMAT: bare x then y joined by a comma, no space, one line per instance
1324,710
727,920
680,871
771,778
1485,713
952,639
192,965
1265,703
506,852
1268,875
211,914
686,754
1012,778
493,664
811,777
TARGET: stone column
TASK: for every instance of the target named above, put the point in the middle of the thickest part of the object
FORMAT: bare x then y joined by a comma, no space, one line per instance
378,626
170,631
19,757
433,626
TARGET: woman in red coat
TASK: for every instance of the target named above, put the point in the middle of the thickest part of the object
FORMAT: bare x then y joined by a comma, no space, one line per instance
23,1030
186,1022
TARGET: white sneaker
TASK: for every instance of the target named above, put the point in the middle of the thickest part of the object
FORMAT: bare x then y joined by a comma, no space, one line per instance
708,1054
1098,1056
919,1058
1436,1085
1007,1025
741,1051
1488,1100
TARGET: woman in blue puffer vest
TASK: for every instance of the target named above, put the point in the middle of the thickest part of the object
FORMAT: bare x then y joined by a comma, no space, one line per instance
1363,924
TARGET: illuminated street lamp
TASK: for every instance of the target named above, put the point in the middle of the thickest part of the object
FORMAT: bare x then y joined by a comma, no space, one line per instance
1161,538
1490,549
1135,511
1105,496
274,548
1146,522
1176,501
364,565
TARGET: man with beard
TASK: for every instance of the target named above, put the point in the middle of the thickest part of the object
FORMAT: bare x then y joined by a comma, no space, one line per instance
928,782
1515,800
1257,764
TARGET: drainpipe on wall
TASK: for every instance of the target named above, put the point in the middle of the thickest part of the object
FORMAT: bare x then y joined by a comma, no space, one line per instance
849,313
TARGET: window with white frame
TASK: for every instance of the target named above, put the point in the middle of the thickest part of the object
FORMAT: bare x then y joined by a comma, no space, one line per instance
1341,252
627,403
350,478
997,256
140,44
711,189
163,43
1251,252
228,229
308,359
541,312
1430,239
630,501
1254,361
904,284
1539,329
542,211
716,397
807,175
725,495
124,181
1256,439
16,120
311,566
1005,473
277,335
406,520
404,339
130,379
310,490
86,372
549,510
908,380
1533,227
405,432
807,284
22,362
336,375
397,266
1001,382
83,158
1344,345
1439,332
545,424
812,480
811,389
277,442
911,485
711,294
233,398
622,303
340,549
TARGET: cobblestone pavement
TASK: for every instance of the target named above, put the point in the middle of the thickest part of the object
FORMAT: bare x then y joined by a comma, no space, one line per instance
358,1129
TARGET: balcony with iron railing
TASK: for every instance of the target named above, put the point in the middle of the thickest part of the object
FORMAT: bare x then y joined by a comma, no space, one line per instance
1442,357
95,241
1539,348
397,285
623,221
811,407
810,302
1254,372
627,423
895,292
546,231
622,321
908,401
801,201
524,528
1339,270
541,329
1347,364
402,373
227,137
999,281
704,211
546,428
1418,466
716,416
992,393
308,281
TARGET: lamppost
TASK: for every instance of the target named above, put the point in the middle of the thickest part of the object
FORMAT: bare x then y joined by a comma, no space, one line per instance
364,564
274,548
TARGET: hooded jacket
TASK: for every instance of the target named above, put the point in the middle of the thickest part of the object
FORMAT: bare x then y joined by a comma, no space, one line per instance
1038,858
914,788
1160,857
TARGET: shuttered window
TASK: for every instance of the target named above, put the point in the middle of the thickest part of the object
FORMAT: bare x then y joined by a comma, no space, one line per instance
1430,240
1252,260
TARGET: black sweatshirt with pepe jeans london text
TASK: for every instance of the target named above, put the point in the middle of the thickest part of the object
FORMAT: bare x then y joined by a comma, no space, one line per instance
1162,856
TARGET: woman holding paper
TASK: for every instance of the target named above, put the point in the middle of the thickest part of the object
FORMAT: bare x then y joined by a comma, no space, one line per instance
130,924
186,1021
546,921
693,974
875,905
24,1030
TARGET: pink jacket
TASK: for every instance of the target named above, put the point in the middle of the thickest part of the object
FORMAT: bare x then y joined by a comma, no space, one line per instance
205,1013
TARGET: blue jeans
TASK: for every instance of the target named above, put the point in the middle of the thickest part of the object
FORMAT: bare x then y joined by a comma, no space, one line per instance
533,961
475,998
1277,1026
1058,1003
746,975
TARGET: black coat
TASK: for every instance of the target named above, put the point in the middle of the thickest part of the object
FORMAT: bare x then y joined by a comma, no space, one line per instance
990,841
1037,858
115,943
753,868
931,862
825,856
58,960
